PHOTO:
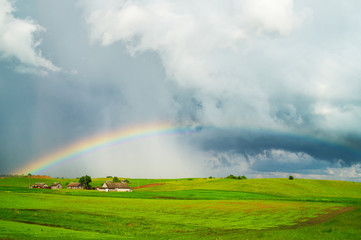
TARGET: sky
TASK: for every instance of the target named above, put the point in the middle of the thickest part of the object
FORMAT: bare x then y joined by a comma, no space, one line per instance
271,87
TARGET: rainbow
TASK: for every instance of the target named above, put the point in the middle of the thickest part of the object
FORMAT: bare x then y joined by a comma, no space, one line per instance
97,142
135,133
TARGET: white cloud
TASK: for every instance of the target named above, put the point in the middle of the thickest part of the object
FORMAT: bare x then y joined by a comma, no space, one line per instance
276,16
348,173
241,55
189,37
202,45
17,41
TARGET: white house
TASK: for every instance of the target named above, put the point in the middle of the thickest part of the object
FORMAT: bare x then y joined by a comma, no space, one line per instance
56,186
115,186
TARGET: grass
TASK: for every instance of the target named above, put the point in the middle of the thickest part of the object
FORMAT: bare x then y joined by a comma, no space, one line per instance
184,209
19,230
271,186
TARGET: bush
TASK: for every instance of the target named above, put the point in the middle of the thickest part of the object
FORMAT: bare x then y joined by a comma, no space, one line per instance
231,176
290,177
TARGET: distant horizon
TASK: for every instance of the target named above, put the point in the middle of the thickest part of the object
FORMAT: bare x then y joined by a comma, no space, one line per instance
121,177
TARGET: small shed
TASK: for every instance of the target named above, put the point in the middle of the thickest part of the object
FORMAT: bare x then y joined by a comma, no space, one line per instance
56,186
39,185
75,186
115,186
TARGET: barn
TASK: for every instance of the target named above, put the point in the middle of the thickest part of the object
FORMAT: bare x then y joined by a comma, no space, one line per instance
39,185
116,187
75,186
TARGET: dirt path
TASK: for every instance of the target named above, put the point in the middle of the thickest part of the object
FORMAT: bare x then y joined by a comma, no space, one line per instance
148,185
323,217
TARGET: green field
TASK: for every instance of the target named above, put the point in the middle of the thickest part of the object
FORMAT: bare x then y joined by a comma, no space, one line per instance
183,209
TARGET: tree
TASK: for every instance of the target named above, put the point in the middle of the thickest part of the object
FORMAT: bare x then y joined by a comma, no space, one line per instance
29,176
115,179
85,180
231,176
290,177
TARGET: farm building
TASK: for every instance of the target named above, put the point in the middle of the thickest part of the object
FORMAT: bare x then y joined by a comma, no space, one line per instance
115,186
39,185
74,185
56,186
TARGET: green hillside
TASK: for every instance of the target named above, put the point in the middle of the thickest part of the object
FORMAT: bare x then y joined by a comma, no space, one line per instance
269,186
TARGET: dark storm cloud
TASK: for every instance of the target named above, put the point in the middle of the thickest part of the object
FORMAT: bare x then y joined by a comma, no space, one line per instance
248,142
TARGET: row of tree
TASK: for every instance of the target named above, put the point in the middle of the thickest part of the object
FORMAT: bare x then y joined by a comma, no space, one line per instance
231,176
116,179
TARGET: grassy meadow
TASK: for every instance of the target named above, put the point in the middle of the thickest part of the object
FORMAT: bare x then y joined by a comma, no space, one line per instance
183,209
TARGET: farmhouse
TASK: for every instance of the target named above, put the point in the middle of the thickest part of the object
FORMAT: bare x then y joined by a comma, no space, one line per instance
115,186
39,185
74,185
56,186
